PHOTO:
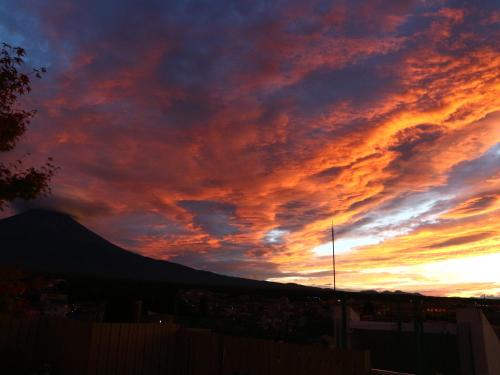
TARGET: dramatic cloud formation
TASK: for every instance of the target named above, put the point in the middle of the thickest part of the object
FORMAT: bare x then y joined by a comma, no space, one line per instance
228,135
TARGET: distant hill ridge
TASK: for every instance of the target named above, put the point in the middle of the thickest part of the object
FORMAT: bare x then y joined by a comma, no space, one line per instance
50,241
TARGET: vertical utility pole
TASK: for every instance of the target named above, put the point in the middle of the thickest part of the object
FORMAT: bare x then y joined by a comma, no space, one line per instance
340,327
333,260
337,325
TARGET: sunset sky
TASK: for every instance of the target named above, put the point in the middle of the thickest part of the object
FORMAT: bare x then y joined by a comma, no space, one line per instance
229,135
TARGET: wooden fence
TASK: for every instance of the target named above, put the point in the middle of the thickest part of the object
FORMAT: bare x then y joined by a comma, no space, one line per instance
81,348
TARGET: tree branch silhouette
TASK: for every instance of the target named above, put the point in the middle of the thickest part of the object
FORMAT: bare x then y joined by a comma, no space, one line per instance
16,180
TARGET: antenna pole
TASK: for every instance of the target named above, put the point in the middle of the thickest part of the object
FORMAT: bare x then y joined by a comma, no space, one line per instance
333,260
336,328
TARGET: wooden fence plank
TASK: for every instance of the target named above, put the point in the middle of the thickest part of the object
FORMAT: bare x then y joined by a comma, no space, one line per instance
92,353
145,347
114,337
140,350
163,351
95,357
131,349
65,346
148,348
155,348
169,338
121,349
105,352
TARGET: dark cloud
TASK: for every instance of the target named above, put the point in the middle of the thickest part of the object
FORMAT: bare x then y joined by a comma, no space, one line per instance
363,83
213,217
294,215
80,208
330,173
408,141
229,260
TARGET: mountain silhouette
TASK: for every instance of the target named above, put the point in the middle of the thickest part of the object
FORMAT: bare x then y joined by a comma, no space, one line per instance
54,242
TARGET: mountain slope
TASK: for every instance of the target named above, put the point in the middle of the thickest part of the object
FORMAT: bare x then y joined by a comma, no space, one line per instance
54,242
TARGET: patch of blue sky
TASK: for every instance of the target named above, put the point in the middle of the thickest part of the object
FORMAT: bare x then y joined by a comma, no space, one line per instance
275,236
